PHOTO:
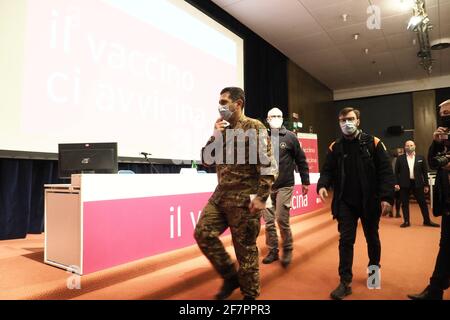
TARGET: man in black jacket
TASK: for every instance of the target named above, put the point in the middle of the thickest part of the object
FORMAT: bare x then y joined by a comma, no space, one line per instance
290,155
438,158
357,167
411,174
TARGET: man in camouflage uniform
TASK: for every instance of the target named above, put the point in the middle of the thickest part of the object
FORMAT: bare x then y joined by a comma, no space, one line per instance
240,175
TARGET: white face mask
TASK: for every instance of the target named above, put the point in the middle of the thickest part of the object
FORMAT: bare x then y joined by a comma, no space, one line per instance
276,123
349,127
225,112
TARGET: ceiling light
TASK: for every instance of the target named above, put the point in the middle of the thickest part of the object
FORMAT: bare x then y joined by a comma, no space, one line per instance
414,42
356,36
420,24
344,17
414,22
366,51
379,73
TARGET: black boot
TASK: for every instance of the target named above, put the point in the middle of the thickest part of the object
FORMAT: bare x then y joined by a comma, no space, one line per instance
431,224
405,225
397,215
230,283
341,291
271,257
428,294
286,258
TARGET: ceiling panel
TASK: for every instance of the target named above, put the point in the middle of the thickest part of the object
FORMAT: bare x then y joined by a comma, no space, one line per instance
391,7
315,4
311,43
395,24
331,17
345,35
313,35
402,40
224,3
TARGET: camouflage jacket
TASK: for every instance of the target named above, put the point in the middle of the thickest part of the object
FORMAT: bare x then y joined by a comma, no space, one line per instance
244,163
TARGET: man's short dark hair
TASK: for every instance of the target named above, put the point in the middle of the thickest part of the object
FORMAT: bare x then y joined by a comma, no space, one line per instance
347,110
235,94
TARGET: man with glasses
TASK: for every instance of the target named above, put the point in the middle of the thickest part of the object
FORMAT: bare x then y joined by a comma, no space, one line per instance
358,169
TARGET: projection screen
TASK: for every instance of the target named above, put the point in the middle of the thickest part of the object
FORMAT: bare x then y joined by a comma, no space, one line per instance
145,74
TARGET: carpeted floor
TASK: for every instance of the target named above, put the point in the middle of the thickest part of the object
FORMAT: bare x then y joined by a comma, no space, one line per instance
408,257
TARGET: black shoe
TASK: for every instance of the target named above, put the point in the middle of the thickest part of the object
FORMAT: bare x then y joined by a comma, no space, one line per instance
431,224
286,258
341,291
397,215
405,225
271,257
248,298
427,294
229,285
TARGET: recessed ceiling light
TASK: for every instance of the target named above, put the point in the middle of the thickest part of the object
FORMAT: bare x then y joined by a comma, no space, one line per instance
344,17
366,50
380,73
414,42
356,36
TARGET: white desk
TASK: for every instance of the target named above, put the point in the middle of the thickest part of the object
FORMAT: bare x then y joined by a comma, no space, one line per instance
103,220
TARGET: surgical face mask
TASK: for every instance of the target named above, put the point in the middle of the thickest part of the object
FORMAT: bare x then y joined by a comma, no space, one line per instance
275,123
410,149
225,112
348,127
445,121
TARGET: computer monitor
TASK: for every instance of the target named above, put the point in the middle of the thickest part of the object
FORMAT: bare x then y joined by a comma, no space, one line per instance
86,158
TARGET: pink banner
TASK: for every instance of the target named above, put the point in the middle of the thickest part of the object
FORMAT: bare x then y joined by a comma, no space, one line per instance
309,146
120,231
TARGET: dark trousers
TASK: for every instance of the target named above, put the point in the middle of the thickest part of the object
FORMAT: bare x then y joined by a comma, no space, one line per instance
440,279
244,227
348,217
419,194
398,202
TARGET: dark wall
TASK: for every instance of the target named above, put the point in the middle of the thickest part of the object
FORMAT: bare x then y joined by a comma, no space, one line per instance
313,102
378,113
265,68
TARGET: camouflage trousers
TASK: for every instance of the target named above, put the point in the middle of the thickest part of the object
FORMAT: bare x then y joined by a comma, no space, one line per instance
281,205
245,228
